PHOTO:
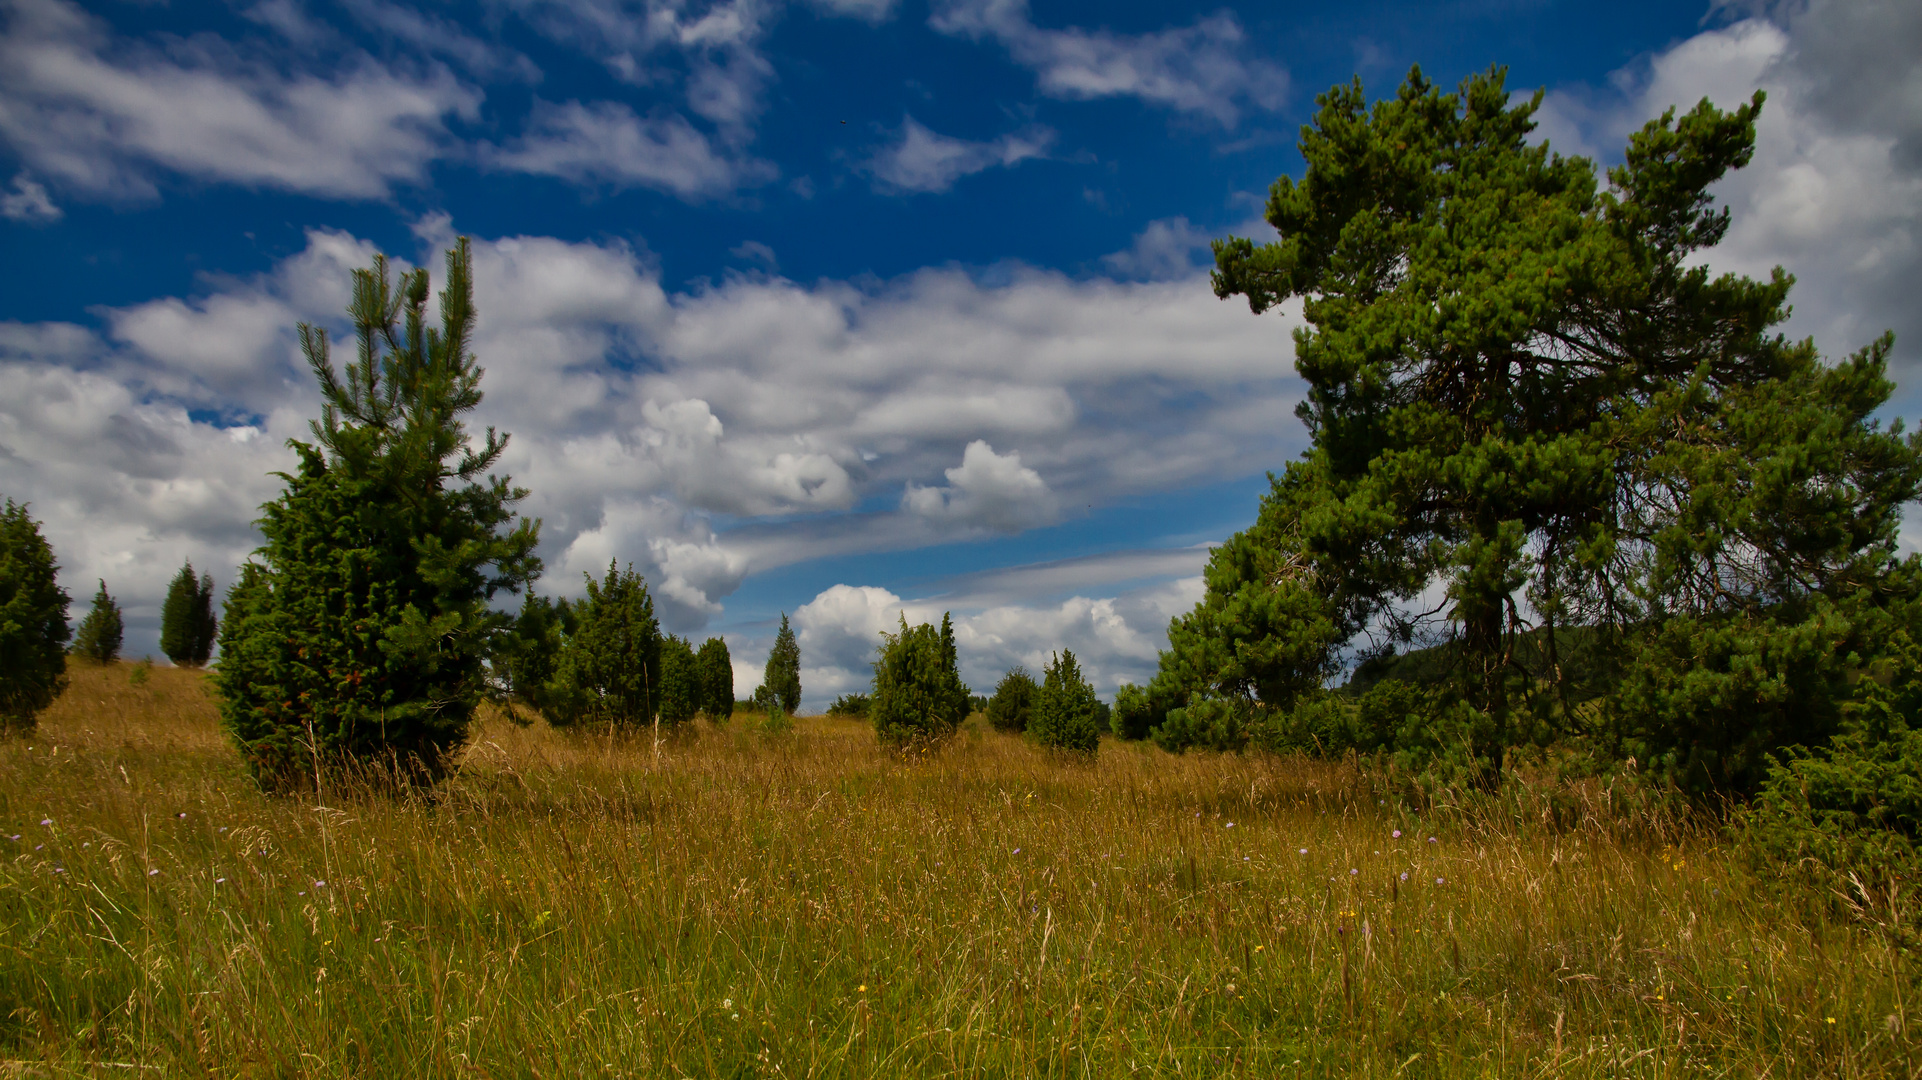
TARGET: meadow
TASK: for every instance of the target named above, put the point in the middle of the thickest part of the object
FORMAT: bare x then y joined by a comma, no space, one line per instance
729,903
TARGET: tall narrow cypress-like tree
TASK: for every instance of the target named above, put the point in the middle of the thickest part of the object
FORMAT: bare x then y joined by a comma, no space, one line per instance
783,675
33,622
187,623
99,635
680,696
717,679
360,630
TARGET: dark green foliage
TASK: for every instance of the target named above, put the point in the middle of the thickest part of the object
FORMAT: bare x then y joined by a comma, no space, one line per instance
609,672
1853,807
680,690
187,623
1648,510
783,673
1133,715
1013,701
851,705
716,670
1067,714
33,622
361,630
527,654
98,636
919,698
977,704
1210,723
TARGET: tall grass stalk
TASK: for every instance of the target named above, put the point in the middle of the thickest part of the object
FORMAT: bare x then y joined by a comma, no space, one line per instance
731,904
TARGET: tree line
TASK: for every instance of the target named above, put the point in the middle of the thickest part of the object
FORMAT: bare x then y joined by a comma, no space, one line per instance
1663,534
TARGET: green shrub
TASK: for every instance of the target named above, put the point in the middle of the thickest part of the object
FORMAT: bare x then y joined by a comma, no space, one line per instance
1849,813
99,635
1133,715
1204,724
33,622
919,699
1013,702
851,705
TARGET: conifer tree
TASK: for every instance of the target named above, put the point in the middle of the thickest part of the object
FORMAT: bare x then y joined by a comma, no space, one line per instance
33,622
716,669
609,672
783,674
680,696
919,699
526,657
187,624
1013,701
1532,392
1067,713
98,636
360,630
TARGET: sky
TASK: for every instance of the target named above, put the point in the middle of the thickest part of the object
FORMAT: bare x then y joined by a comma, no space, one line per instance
847,310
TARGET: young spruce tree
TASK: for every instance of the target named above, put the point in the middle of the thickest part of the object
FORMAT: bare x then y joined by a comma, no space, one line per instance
360,630
99,635
187,624
33,622
783,675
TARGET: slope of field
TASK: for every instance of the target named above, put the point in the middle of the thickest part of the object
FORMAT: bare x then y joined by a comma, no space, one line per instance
804,906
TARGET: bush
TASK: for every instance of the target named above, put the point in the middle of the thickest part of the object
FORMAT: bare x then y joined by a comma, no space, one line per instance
609,672
679,697
1850,813
1204,724
99,634
1133,715
187,624
362,629
851,705
1013,701
919,698
526,656
783,672
716,670
33,622
1067,714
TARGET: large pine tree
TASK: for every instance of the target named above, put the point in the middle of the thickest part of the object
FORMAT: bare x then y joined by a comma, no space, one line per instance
33,622
359,631
1529,390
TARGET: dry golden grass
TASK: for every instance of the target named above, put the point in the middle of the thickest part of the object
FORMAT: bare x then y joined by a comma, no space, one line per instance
801,906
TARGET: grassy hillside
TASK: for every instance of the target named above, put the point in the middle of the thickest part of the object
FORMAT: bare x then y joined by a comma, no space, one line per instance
729,906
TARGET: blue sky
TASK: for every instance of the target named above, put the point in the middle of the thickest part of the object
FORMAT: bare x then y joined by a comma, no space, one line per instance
843,308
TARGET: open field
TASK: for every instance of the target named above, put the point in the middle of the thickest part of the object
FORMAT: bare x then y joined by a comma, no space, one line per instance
804,906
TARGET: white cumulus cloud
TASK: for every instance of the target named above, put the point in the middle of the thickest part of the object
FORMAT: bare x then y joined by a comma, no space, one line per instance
922,160
987,491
